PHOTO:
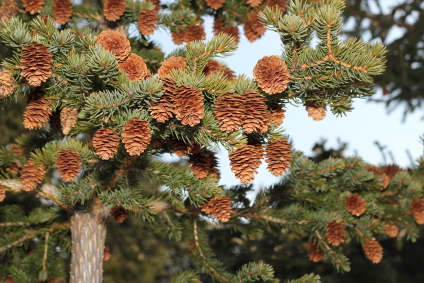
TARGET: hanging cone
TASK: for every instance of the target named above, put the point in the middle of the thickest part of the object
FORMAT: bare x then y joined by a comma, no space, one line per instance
219,26
373,251
105,143
245,161
229,112
33,6
147,22
62,11
119,213
215,4
135,67
336,233
8,9
2,193
315,254
7,83
213,169
178,37
200,164
253,29
136,136
172,63
417,210
114,9
37,112
392,230
385,180
392,170
36,62
355,204
68,119
17,149
163,109
68,163
31,175
214,66
278,156
271,74
188,105
194,33
181,148
277,116
315,111
254,3
115,42
13,170
219,207
256,116
280,4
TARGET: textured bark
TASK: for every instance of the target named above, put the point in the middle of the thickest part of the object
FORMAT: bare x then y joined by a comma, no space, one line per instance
88,239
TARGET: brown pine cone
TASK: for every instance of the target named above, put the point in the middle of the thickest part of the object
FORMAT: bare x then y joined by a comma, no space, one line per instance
105,143
13,170
219,26
245,161
373,251
37,112
213,169
119,213
68,119
147,22
135,67
8,9
17,149
200,164
214,66
254,3
188,105
7,83
31,175
62,11
68,163
392,230
256,115
215,4
178,37
277,116
219,207
136,136
315,254
417,210
229,112
392,170
315,111
36,62
336,233
33,6
380,173
278,156
280,4
355,204
271,74
2,193
181,148
163,109
172,63
114,9
253,29
116,42
194,33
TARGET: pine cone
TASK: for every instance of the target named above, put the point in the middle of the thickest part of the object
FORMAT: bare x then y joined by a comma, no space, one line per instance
277,116
336,233
147,22
315,111
36,62
355,204
13,170
214,66
213,169
62,11
105,143
172,63
7,83
417,210
278,156
181,148
219,26
178,37
68,119
68,163
33,6
392,230
37,112
215,4
229,112
256,114
31,175
280,4
119,213
219,207
253,29
392,170
114,9
2,193
194,33
373,251
271,74
135,67
254,3
163,109
380,173
315,254
188,105
245,161
8,9
136,136
116,42
203,164
17,149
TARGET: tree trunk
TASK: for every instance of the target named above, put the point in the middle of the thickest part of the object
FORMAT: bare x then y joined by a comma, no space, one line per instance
88,238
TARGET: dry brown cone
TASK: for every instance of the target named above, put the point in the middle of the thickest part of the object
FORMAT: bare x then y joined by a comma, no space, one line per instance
8,9
178,37
213,170
200,164
229,112
245,161
278,156
315,254
315,111
277,116
7,83
2,193
256,114
136,136
31,175
115,42
417,210
219,26
37,112
62,11
33,6
13,169
105,143
271,74
68,163
147,22
392,230
280,4
254,3
215,4
355,204
373,251
17,149
114,9
392,170
253,29
336,233
135,67
172,63
119,213
214,66
36,62
194,33
68,119
188,105
163,109
379,172
219,207
181,148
